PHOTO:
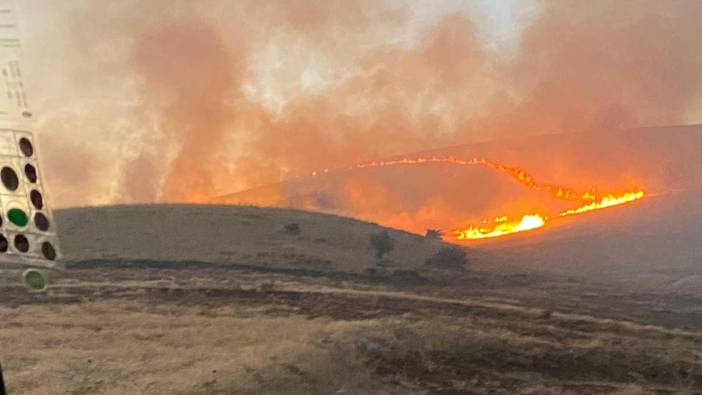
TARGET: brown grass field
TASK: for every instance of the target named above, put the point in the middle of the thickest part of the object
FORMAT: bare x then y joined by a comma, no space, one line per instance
221,300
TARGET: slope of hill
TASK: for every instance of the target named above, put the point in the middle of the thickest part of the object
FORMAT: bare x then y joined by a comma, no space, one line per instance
655,240
231,234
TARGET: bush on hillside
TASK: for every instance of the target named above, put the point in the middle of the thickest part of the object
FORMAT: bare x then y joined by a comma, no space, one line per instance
382,242
434,234
449,257
292,228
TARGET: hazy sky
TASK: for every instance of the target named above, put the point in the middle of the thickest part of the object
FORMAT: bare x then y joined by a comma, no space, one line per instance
75,93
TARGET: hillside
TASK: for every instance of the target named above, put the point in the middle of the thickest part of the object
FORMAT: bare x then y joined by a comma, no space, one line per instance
231,234
655,240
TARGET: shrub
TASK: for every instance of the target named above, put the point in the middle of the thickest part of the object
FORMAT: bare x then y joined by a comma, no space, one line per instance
292,228
434,234
449,257
382,243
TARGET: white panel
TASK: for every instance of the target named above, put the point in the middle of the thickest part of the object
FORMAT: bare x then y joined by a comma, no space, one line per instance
16,159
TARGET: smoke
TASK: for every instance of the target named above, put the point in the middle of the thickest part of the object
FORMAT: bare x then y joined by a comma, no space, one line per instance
177,101
188,75
608,64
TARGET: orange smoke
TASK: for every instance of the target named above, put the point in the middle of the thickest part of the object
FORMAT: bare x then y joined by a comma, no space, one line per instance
191,95
558,191
218,96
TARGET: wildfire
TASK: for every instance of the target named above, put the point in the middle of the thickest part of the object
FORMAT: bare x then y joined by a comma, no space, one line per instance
504,227
526,179
607,201
501,226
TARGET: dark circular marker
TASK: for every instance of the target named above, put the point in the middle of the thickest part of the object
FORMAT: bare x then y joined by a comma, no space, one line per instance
48,251
3,243
41,222
31,173
9,178
21,243
26,147
37,200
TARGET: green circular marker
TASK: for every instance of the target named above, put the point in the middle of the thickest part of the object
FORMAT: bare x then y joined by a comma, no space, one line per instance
18,217
34,279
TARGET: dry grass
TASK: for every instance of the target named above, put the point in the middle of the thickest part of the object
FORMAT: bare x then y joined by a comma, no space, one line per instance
128,347
116,348
230,234
454,354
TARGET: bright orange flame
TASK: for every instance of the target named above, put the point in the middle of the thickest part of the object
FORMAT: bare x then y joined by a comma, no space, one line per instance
502,226
606,201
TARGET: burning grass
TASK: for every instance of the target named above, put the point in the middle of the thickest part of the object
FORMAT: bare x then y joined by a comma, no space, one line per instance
502,226
589,199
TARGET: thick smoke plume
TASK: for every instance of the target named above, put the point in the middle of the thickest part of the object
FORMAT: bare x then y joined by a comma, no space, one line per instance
183,101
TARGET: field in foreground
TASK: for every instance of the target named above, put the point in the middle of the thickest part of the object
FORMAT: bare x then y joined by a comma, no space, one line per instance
145,311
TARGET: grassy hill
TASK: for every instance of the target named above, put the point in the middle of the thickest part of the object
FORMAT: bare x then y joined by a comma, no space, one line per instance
233,235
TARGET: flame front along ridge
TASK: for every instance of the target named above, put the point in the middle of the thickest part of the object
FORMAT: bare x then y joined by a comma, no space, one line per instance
590,199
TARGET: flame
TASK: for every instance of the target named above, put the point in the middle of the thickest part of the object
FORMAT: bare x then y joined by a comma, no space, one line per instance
606,201
526,179
501,225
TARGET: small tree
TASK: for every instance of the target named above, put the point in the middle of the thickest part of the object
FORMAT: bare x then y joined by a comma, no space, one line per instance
382,243
449,257
434,234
